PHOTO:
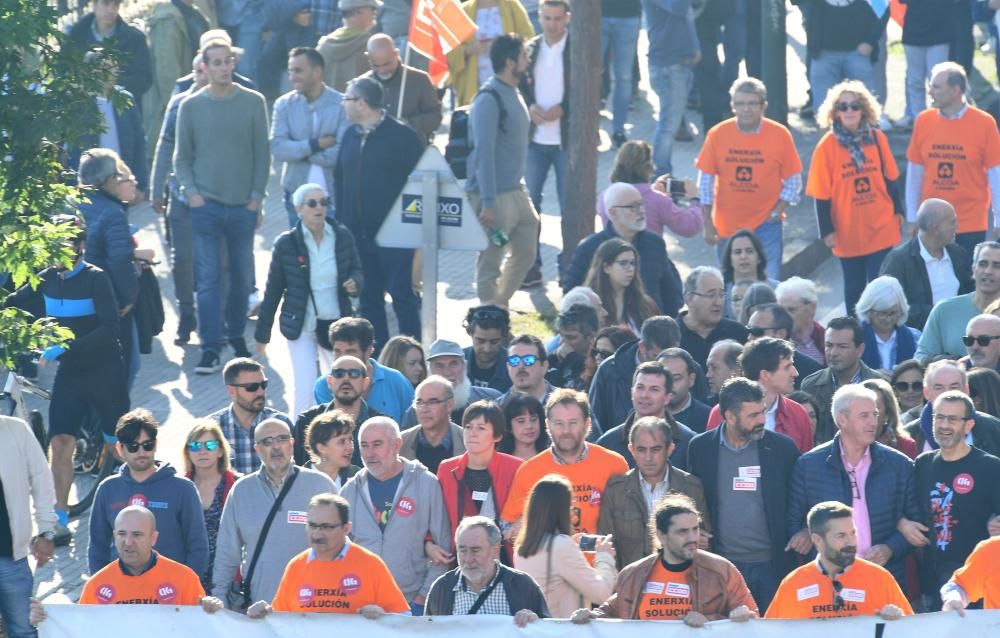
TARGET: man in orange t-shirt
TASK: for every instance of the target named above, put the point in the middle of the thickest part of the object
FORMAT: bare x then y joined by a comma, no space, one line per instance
978,579
587,467
954,155
334,575
750,173
837,583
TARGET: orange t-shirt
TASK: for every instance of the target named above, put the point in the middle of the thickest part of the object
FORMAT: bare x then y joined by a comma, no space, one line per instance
863,214
588,478
980,576
955,155
748,169
666,595
165,583
808,593
341,586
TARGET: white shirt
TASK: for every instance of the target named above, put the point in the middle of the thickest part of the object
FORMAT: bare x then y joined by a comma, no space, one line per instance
322,277
885,350
653,493
109,138
941,273
549,88
770,416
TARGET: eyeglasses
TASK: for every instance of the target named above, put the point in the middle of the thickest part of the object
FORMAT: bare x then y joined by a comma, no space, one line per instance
844,106
133,447
601,354
634,207
715,295
982,340
854,486
756,104
431,403
323,527
527,360
759,331
313,203
251,387
211,446
268,441
624,263
351,99
352,373
903,386
838,600
884,314
952,419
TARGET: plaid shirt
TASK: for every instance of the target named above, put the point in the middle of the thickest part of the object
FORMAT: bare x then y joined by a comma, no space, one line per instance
325,16
244,459
495,603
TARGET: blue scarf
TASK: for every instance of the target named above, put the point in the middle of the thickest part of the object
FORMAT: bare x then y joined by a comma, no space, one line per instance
906,346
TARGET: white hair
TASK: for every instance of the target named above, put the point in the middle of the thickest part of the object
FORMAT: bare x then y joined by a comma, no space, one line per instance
438,380
846,395
615,192
390,426
804,289
883,294
580,295
300,193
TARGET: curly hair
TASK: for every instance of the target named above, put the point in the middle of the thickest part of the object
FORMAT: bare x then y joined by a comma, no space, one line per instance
870,109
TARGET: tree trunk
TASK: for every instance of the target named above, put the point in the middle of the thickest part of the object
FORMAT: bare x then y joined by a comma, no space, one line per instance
585,82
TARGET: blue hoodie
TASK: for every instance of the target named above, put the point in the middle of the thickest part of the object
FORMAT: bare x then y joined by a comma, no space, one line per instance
173,500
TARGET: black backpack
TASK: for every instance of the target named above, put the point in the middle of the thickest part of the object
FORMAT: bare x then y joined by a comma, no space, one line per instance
459,141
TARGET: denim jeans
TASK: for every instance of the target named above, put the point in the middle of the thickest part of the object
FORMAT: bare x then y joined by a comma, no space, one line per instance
709,73
15,596
919,62
771,236
540,158
621,35
388,270
671,84
829,68
181,254
858,272
216,225
762,581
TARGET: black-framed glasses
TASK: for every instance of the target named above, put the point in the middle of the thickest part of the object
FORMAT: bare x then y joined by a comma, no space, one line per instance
714,295
251,387
196,446
634,207
324,527
838,600
313,203
351,373
758,331
351,99
844,106
430,403
527,360
148,445
268,441
953,420
903,386
982,340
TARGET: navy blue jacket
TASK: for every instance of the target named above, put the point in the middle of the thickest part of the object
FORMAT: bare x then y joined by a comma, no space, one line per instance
658,273
890,492
109,243
136,68
778,456
131,143
611,390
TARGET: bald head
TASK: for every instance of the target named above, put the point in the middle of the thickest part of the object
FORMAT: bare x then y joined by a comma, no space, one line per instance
620,193
934,211
383,56
937,223
380,42
135,514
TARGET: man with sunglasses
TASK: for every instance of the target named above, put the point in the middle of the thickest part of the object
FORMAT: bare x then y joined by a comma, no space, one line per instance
246,386
250,501
772,320
837,583
527,364
173,499
982,340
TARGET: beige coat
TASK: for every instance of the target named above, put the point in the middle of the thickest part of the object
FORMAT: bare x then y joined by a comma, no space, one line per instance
25,474
572,583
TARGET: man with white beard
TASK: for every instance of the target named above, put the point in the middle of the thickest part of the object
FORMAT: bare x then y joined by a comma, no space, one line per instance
447,359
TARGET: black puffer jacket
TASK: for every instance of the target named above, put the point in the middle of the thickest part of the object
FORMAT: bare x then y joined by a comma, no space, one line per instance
288,278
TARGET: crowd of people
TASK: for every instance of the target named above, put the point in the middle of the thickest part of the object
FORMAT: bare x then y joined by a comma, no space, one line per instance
694,449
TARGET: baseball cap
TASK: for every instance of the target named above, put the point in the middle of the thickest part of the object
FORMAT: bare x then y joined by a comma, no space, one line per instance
444,348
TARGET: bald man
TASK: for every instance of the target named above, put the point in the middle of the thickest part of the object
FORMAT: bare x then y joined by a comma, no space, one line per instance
627,220
929,267
421,105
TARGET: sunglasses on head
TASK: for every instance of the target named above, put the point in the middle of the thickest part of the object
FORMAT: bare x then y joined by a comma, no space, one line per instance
211,446
251,387
133,447
313,203
982,340
352,373
853,106
489,314
527,360
903,386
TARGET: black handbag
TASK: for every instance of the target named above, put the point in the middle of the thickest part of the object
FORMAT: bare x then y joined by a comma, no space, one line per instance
322,326
892,187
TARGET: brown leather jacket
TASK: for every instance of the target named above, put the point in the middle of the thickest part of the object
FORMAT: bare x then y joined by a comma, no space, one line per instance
717,588
624,512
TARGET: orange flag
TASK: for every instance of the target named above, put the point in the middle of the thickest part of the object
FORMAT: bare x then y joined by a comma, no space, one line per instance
436,28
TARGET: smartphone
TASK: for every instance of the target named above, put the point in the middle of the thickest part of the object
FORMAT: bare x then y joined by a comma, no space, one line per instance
588,542
676,187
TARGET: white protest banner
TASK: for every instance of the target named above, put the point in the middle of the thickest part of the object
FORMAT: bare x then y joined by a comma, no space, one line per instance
161,621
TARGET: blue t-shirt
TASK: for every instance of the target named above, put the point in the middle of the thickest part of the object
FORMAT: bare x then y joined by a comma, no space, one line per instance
383,495
391,393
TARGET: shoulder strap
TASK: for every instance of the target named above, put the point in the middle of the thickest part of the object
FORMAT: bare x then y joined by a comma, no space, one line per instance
499,101
483,595
881,158
265,529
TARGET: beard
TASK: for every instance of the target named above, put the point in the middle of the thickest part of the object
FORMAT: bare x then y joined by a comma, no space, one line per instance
462,391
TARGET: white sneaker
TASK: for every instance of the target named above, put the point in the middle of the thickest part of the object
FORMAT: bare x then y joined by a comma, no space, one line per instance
885,123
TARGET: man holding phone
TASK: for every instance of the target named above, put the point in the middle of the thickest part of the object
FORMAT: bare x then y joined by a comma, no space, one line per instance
749,173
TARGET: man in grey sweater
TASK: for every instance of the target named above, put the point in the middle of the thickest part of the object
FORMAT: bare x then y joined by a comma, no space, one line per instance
222,160
499,130
247,507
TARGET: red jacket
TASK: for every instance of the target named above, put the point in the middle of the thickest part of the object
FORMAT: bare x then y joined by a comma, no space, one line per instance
457,499
790,420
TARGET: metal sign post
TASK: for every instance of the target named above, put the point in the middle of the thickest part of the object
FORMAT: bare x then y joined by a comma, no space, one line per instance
432,187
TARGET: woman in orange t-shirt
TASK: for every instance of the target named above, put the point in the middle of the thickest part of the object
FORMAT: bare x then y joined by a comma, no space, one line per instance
853,180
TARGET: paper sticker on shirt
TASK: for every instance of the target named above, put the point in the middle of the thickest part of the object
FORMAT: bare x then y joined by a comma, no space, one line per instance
963,483
138,499
595,497
805,593
479,496
105,594
306,595
166,594
681,590
741,484
297,518
406,507
653,587
750,471
853,595
350,584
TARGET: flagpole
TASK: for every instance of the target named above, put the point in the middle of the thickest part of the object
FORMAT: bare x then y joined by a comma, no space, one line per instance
402,84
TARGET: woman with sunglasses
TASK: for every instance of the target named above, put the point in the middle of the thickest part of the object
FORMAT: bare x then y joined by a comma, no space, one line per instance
206,463
330,444
891,431
525,436
614,276
907,382
315,269
853,181
883,310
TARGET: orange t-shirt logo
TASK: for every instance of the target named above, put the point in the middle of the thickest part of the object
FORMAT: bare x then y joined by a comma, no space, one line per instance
350,584
166,594
306,595
105,594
